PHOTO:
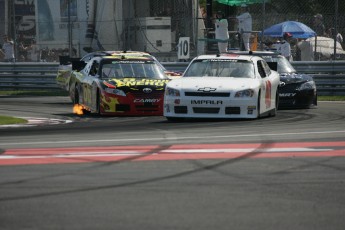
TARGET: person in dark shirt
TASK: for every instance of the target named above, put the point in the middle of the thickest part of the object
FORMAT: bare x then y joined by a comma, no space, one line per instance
318,25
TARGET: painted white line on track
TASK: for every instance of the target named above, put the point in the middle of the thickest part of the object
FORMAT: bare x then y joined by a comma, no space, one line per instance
244,150
173,138
70,155
36,121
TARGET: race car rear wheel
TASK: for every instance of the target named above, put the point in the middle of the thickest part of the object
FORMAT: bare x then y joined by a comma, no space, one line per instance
76,99
98,103
315,100
274,111
258,105
76,95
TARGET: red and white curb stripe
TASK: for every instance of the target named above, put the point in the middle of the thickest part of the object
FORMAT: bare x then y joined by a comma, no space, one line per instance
172,152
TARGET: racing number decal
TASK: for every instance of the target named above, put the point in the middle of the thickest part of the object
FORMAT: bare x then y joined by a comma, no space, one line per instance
268,94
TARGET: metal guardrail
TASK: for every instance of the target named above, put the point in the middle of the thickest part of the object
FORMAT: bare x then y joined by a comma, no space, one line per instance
317,67
328,75
28,75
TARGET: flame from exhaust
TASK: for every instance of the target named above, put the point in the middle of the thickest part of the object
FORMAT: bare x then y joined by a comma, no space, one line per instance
78,109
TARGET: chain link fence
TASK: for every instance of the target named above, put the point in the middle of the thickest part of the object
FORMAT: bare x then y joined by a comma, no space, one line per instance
133,24
277,11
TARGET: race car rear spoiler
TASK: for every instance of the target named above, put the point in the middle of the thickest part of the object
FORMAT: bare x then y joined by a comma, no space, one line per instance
75,62
78,65
67,60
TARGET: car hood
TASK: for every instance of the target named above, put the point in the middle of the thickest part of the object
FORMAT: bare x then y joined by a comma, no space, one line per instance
291,78
213,83
136,82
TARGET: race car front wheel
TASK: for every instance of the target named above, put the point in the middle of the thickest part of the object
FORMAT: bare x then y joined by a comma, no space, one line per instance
76,95
258,105
274,112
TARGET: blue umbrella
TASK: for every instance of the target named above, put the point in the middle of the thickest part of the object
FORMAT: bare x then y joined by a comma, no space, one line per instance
296,29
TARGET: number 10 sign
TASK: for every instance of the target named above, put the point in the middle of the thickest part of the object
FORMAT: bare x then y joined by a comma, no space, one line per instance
183,48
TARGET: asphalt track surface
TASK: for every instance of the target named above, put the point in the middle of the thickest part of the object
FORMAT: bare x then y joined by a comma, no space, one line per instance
65,171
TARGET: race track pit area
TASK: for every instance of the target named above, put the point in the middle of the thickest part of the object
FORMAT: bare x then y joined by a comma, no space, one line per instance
36,121
171,152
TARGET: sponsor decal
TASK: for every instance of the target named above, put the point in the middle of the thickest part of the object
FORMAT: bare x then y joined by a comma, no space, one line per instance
147,100
287,94
135,82
250,109
147,90
207,89
206,102
129,62
109,103
223,60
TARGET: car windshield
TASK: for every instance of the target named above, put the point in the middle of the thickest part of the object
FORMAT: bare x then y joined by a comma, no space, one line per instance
283,65
220,68
132,69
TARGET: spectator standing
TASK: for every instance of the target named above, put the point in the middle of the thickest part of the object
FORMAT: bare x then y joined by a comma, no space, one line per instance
338,37
22,51
319,27
8,49
283,47
244,21
34,52
221,31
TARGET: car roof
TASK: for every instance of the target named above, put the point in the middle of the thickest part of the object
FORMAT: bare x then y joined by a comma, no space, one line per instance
233,56
123,58
89,56
271,53
123,55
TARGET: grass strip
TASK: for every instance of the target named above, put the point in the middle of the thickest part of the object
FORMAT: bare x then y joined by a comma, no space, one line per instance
6,120
331,98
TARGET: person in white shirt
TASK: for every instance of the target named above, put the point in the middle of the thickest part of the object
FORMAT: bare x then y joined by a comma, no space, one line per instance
8,49
284,47
245,26
221,31
34,52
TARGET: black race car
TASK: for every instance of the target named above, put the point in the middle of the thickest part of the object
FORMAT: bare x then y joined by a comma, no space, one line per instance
296,90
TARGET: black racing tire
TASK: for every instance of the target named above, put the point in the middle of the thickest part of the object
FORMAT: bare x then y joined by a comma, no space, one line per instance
258,106
98,105
315,100
76,95
274,112
76,99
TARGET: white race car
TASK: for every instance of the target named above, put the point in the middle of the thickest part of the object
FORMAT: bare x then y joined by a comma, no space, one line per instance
223,86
